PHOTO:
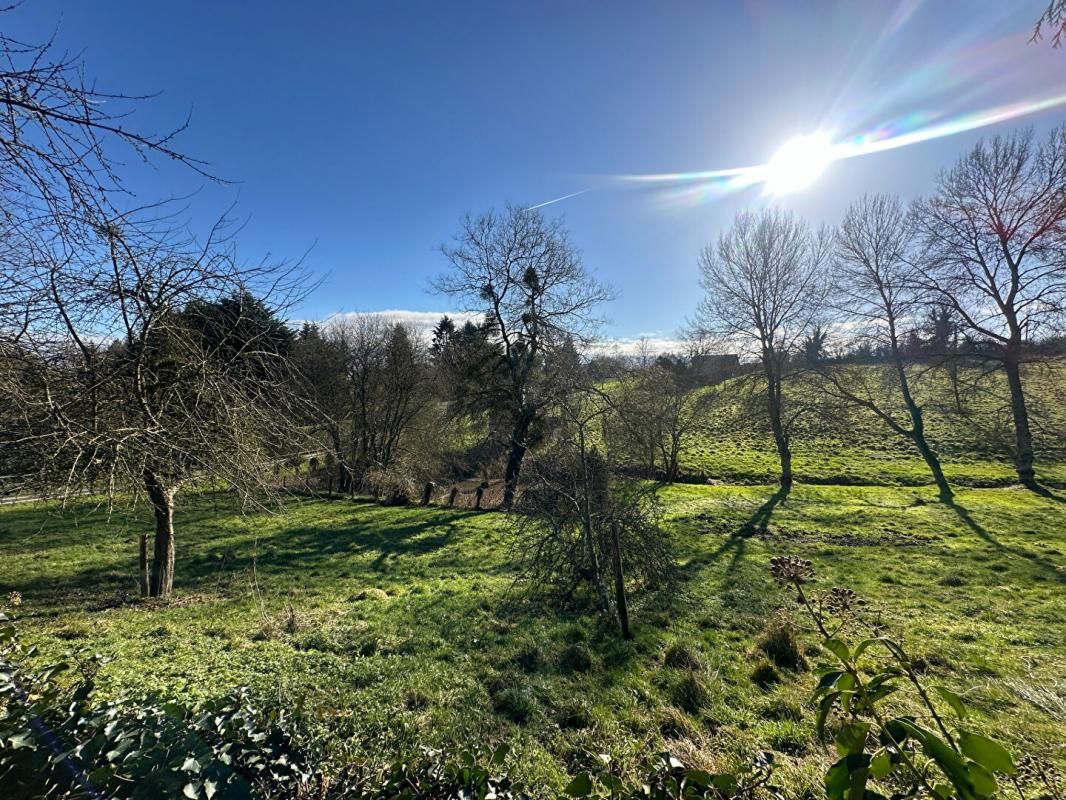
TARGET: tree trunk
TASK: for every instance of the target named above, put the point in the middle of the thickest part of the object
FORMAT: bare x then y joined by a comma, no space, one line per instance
593,500
620,584
343,475
162,499
514,459
1023,437
917,433
942,485
784,452
142,563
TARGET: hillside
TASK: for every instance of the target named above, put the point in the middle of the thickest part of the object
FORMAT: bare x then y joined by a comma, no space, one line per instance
393,628
837,445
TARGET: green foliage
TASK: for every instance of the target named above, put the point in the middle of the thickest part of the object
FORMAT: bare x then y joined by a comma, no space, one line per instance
851,446
55,742
930,752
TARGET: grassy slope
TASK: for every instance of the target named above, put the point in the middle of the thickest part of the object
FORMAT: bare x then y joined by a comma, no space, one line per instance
449,658
851,446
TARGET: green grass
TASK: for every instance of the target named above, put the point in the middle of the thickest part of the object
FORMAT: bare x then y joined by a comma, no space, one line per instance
453,658
852,446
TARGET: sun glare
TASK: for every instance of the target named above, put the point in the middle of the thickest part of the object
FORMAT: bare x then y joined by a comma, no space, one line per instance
798,163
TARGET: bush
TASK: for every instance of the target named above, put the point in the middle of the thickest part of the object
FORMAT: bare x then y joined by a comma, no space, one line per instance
51,738
391,487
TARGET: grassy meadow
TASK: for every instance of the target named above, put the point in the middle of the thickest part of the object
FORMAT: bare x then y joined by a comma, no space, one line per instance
833,444
393,628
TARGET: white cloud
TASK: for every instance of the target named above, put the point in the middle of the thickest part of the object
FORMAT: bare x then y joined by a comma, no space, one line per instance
421,321
630,346
424,321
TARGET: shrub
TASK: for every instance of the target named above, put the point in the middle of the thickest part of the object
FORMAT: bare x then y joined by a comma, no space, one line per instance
391,487
52,738
915,755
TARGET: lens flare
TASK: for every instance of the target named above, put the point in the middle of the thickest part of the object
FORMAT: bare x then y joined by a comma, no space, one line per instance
798,164
801,161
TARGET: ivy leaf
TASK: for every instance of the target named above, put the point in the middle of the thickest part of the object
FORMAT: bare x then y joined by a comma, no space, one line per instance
846,779
988,753
699,777
580,786
824,708
984,782
191,790
851,739
21,739
950,763
953,700
726,783
500,754
837,648
860,648
880,764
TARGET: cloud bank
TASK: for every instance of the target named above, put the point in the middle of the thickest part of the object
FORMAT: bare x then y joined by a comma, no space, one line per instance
423,322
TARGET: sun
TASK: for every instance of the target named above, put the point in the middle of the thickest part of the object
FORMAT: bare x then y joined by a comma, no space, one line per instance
798,163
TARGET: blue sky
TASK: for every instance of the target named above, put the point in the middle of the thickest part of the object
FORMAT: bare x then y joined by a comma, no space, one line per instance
363,131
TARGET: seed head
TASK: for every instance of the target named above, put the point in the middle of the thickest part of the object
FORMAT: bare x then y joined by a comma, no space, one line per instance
842,601
791,570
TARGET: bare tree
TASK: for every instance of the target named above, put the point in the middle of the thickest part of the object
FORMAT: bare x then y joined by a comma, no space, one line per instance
386,388
520,271
580,525
876,301
155,366
656,410
994,237
1054,18
61,140
321,359
764,290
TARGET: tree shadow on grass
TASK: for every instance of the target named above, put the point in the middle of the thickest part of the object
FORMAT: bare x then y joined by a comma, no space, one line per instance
1044,491
735,546
213,561
982,532
759,521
